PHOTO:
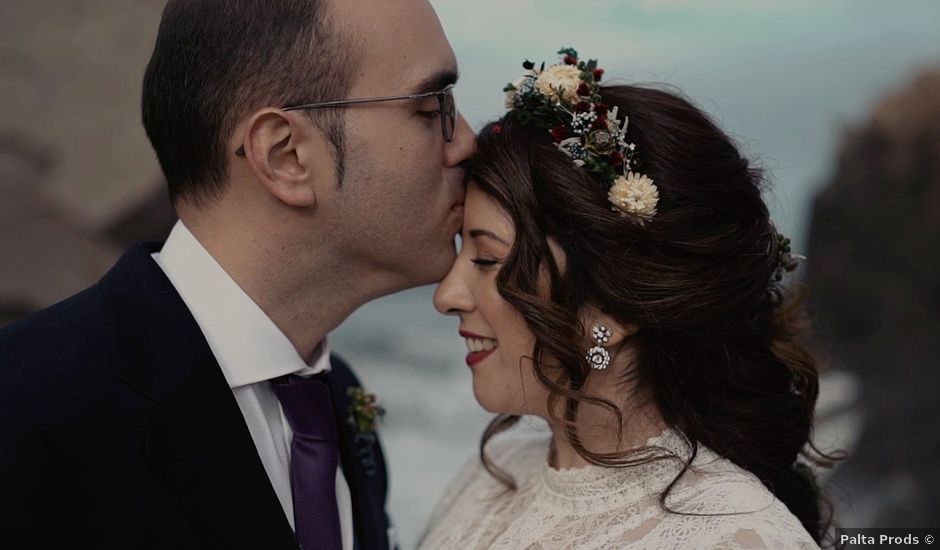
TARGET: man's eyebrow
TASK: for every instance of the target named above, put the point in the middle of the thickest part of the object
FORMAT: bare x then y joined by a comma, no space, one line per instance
474,233
436,82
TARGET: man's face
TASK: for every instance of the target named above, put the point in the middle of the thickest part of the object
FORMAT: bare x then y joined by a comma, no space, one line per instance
400,204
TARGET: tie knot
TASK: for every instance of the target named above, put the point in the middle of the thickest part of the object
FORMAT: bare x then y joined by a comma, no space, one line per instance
308,405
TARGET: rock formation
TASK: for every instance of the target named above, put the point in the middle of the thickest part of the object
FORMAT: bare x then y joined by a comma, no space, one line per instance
874,274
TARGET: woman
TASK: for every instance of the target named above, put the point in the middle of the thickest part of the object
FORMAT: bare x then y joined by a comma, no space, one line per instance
624,287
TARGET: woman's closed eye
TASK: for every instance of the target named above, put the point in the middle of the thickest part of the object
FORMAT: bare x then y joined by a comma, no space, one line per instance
484,263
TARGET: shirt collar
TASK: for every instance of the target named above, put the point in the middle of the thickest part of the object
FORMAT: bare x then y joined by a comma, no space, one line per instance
248,345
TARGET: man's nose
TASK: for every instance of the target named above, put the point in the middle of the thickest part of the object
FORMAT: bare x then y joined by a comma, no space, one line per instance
463,145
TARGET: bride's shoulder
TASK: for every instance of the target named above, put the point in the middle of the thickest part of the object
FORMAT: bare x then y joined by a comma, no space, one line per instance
715,484
741,512
717,480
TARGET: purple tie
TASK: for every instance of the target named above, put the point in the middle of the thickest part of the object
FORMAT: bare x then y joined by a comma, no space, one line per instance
308,406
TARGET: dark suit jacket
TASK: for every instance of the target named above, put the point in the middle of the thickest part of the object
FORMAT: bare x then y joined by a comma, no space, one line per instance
119,431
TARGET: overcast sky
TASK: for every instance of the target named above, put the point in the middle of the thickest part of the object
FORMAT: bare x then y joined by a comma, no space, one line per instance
782,77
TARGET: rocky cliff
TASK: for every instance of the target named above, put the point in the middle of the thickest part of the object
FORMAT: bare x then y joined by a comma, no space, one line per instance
874,274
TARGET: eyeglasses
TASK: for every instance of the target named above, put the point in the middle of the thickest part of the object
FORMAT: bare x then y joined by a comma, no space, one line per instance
447,109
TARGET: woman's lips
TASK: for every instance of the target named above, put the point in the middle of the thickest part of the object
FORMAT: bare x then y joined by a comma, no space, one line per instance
474,357
480,347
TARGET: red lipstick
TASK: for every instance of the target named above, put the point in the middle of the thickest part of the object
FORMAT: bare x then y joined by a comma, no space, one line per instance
475,357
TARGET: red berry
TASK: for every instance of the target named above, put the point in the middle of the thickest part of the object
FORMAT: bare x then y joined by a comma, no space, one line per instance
559,133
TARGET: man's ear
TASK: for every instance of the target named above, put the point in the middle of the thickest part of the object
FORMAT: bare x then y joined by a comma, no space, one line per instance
276,145
620,331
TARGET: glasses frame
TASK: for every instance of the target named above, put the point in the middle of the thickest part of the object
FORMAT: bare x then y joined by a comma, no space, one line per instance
445,98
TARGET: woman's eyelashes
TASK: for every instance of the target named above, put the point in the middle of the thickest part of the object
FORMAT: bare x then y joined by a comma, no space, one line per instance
484,263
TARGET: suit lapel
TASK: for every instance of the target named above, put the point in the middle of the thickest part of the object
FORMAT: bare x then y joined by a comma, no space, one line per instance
198,446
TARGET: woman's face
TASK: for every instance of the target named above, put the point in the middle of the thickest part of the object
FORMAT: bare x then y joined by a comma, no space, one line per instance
499,342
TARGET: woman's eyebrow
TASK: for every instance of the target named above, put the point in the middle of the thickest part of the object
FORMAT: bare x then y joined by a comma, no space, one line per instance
484,233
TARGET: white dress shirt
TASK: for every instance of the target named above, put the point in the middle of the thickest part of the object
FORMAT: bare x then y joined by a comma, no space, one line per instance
251,350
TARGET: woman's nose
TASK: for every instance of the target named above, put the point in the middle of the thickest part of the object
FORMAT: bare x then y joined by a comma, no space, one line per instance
452,297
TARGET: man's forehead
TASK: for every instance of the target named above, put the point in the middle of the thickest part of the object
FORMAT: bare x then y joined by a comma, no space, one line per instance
403,44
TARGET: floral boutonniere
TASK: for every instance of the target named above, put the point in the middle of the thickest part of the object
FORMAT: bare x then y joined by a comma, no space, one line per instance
364,411
364,416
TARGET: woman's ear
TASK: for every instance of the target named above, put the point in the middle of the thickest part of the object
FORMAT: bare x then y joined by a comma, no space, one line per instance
274,146
619,332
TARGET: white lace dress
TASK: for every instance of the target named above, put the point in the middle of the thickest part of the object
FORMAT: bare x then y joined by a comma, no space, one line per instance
597,507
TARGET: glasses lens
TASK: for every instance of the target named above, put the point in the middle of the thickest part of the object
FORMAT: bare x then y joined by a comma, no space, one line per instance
448,115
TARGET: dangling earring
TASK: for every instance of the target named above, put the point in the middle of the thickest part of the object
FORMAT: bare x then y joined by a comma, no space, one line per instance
598,357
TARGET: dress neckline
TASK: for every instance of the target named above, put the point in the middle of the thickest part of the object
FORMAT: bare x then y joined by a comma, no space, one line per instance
598,486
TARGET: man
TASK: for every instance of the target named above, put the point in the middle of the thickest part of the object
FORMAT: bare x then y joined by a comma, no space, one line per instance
189,399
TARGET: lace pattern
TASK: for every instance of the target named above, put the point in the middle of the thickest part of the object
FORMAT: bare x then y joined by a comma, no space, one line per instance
597,507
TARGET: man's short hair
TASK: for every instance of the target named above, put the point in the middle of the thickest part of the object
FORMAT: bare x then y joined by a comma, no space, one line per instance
217,61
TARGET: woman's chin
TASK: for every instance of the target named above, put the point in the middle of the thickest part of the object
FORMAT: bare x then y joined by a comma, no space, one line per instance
487,400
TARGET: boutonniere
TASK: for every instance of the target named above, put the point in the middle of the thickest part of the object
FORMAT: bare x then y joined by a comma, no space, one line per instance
364,415
364,411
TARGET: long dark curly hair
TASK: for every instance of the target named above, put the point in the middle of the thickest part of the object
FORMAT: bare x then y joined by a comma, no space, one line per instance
718,347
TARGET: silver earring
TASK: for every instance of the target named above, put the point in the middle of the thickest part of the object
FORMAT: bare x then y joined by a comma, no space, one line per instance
598,357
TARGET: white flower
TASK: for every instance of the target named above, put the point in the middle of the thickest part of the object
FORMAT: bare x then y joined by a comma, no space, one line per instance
581,122
564,78
634,195
617,127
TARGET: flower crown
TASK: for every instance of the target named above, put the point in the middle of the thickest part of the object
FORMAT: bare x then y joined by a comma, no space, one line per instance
565,100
